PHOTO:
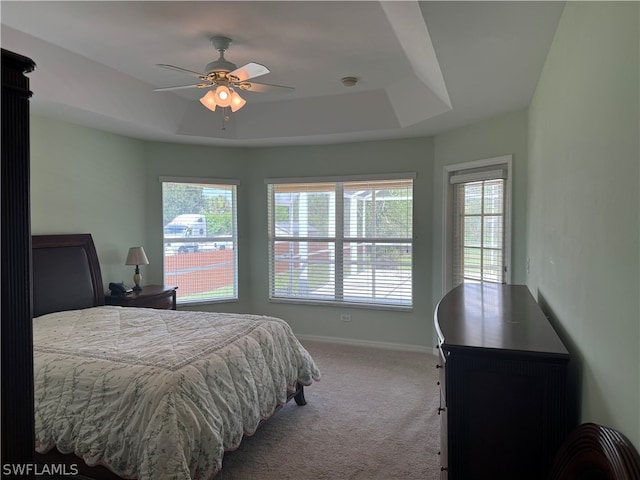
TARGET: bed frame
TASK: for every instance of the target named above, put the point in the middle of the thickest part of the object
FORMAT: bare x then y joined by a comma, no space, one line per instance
596,452
66,276
66,273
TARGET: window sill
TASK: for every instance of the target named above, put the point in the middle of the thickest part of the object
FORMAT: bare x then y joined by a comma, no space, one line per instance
206,302
361,306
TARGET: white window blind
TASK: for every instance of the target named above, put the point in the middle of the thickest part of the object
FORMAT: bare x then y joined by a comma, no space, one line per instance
200,240
479,227
344,241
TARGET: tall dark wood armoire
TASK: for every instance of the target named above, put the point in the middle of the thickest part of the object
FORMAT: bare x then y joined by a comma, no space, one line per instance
16,326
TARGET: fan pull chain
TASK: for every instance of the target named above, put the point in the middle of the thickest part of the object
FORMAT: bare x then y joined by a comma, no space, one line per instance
225,119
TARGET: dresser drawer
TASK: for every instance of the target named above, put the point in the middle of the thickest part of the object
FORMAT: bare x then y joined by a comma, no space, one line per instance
442,377
444,457
161,303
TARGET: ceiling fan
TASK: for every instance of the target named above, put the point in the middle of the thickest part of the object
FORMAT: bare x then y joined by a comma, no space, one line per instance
224,78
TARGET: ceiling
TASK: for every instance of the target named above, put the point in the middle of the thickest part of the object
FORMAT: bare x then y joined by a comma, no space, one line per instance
423,67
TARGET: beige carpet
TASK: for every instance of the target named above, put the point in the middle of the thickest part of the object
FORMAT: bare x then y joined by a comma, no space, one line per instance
372,416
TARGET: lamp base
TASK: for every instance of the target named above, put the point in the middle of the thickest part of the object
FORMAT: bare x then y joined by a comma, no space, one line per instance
136,279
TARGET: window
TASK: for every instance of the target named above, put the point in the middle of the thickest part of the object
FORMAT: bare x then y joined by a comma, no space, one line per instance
477,222
346,241
200,240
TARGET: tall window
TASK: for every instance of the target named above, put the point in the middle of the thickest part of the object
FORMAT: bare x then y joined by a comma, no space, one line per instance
478,227
478,222
347,241
200,240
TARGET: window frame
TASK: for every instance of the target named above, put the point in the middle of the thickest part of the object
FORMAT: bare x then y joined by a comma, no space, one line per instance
474,168
339,239
233,183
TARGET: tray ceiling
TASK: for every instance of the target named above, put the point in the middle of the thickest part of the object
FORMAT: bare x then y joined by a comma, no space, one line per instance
423,67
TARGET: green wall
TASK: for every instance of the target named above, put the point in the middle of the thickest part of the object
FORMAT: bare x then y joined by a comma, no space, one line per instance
583,204
502,135
87,181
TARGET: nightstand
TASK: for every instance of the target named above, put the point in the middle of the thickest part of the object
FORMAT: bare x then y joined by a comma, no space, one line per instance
151,296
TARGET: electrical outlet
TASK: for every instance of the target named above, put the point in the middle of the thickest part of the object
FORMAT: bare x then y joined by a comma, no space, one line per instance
345,318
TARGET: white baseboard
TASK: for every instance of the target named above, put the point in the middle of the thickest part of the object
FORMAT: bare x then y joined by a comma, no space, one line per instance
369,343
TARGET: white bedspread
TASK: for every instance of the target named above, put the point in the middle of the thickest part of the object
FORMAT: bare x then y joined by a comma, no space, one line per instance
159,394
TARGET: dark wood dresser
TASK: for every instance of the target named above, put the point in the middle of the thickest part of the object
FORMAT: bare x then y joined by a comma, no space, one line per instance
505,407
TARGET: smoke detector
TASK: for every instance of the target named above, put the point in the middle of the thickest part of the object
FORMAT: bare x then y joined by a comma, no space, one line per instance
349,81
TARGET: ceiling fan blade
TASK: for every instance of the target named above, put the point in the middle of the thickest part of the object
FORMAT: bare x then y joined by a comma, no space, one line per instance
181,87
250,70
201,76
264,87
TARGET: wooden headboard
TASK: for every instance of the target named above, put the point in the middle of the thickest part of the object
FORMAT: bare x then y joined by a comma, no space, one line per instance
66,273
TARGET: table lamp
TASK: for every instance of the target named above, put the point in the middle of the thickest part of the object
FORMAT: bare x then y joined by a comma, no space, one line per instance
137,257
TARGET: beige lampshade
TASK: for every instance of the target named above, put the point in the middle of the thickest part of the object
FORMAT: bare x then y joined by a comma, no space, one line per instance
237,102
209,101
136,256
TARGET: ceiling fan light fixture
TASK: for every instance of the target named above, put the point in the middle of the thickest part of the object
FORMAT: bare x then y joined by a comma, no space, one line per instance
222,78
237,102
223,96
209,101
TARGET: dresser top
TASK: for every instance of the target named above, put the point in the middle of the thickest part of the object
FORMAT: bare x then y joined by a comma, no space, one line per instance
491,316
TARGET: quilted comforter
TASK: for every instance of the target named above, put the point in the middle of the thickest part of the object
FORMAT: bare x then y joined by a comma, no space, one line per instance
159,394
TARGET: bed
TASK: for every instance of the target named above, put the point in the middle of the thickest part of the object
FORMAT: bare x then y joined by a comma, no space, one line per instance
596,452
124,392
